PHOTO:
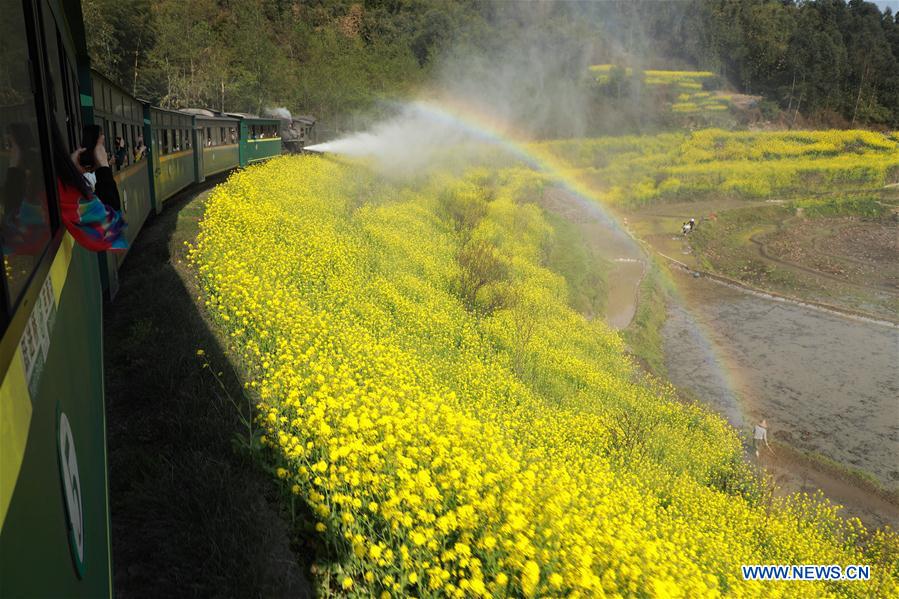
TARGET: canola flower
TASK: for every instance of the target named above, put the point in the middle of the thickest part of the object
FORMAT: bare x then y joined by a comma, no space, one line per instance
456,429
686,87
638,170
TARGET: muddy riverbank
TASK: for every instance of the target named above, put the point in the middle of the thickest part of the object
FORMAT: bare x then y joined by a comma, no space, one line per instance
626,261
827,384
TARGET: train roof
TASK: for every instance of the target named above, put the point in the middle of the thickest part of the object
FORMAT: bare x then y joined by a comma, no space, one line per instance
207,115
253,117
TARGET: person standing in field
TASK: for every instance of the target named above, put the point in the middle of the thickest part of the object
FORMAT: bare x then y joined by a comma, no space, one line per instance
760,435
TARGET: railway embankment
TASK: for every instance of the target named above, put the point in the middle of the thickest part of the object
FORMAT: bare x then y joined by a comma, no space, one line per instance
191,514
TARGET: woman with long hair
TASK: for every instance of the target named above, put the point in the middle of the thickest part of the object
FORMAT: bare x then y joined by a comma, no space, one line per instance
84,211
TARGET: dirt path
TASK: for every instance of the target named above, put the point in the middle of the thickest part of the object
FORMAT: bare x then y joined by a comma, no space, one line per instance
795,474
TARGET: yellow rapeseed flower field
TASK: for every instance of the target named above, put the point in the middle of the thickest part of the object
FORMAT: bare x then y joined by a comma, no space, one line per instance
686,86
456,429
637,170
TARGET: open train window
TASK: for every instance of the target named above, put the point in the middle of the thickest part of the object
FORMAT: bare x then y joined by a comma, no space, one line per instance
26,219
126,142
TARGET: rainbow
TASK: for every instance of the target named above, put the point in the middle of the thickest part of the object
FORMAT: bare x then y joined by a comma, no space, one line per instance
481,125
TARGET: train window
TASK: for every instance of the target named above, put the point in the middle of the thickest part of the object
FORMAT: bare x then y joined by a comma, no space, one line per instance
136,138
233,134
122,155
108,136
164,148
26,227
70,97
222,134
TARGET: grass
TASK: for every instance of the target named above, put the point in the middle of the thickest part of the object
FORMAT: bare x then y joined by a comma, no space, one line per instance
569,254
644,334
191,517
731,246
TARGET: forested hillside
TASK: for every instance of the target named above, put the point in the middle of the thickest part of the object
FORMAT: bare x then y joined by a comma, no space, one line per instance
832,62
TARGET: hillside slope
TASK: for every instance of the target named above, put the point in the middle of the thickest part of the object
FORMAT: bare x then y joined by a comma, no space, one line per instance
455,427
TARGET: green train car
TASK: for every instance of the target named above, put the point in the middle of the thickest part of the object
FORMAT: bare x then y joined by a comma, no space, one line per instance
171,152
217,135
54,508
259,138
122,119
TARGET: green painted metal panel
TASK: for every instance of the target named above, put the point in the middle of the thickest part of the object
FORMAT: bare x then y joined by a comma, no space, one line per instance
197,142
37,557
173,173
217,159
244,134
260,149
134,190
155,202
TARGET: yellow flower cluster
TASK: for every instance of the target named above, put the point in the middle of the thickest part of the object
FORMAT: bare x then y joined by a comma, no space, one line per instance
752,164
455,428
685,85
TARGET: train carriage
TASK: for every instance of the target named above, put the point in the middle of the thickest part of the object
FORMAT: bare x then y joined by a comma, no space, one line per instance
54,511
260,138
217,135
122,116
171,152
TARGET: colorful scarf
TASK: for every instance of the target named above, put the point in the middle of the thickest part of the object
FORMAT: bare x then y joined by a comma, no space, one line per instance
92,223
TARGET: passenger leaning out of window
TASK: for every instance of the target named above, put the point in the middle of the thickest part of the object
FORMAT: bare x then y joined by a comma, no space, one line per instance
94,224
